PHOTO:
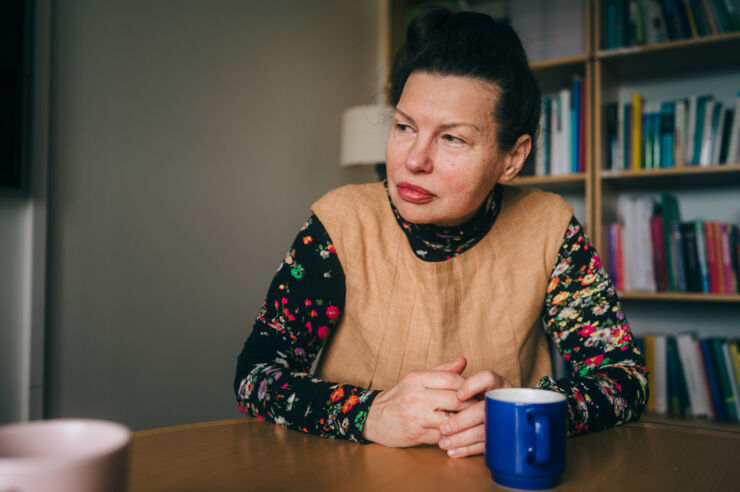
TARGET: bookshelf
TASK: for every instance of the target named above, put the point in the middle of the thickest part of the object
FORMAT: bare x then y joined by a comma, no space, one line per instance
670,69
664,71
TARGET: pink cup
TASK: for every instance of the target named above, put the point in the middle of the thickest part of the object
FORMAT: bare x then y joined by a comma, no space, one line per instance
64,455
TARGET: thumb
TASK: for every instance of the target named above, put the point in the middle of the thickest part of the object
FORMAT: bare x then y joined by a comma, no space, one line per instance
456,366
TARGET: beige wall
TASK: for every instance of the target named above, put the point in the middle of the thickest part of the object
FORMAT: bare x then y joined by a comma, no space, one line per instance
188,139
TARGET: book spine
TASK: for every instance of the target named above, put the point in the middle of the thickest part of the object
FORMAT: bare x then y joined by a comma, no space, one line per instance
659,252
731,378
620,259
723,378
667,134
637,131
660,374
705,377
706,112
691,130
685,346
690,256
732,151
711,256
720,266
649,353
717,399
729,286
701,253
675,380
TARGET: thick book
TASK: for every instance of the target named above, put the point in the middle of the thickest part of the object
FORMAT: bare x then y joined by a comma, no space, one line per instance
717,397
723,378
690,129
701,253
705,119
700,127
671,219
691,257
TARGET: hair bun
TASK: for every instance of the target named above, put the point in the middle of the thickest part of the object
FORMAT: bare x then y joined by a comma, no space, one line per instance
425,25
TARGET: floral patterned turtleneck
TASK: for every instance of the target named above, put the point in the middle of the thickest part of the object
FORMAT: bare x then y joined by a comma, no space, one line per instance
582,315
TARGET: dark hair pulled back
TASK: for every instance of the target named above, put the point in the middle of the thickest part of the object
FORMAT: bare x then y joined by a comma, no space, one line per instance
473,44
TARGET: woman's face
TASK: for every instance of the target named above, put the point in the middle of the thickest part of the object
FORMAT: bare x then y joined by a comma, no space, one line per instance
442,156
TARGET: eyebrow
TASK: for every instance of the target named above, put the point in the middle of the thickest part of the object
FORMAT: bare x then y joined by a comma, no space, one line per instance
446,126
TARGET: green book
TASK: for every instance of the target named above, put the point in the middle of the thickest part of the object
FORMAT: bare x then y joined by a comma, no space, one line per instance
671,217
720,366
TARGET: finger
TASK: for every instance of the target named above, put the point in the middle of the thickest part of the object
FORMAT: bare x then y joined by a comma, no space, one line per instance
440,380
457,365
445,400
430,436
461,421
472,450
468,437
480,383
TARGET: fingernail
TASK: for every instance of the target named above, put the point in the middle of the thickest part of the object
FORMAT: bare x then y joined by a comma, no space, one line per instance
453,452
445,429
444,443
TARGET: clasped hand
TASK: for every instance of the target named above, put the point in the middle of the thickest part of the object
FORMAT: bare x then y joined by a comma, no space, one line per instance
436,406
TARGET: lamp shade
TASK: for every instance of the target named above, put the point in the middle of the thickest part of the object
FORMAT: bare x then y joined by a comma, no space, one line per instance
364,132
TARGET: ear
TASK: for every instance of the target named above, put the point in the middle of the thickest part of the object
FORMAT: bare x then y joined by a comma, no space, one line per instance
514,158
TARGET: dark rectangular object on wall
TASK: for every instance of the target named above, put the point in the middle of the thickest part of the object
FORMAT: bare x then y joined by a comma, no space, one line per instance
15,50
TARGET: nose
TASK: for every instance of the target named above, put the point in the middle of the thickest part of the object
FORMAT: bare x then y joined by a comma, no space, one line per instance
419,157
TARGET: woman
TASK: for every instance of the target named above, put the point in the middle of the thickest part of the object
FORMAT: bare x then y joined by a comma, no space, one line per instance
432,288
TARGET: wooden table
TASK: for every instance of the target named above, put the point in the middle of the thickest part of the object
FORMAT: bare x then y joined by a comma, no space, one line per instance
248,454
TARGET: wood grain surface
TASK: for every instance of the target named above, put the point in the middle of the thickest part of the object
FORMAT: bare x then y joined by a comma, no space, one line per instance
248,454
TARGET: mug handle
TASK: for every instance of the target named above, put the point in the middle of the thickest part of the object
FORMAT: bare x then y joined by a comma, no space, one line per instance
540,453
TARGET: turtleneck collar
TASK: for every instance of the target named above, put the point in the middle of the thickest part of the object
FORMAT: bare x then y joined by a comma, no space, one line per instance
435,243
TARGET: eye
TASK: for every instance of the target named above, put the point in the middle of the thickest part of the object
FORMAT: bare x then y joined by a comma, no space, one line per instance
453,139
401,127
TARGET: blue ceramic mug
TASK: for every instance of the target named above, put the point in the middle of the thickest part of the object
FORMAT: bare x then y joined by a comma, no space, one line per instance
525,437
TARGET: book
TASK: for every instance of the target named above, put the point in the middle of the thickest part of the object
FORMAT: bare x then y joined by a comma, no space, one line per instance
690,130
735,255
717,398
701,253
680,132
671,19
655,23
697,393
671,221
667,134
702,142
660,265
678,401
723,378
725,135
649,353
735,356
691,257
705,378
732,151
720,266
711,252
727,273
636,131
660,373
733,383
627,135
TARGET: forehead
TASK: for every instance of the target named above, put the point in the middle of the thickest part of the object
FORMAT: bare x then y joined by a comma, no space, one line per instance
434,96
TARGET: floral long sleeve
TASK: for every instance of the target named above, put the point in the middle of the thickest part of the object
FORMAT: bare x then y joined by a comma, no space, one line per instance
583,316
303,306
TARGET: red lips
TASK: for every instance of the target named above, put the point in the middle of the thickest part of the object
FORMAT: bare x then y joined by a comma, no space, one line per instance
413,193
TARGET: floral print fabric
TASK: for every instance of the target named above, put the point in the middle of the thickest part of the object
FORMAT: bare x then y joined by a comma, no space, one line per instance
582,315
